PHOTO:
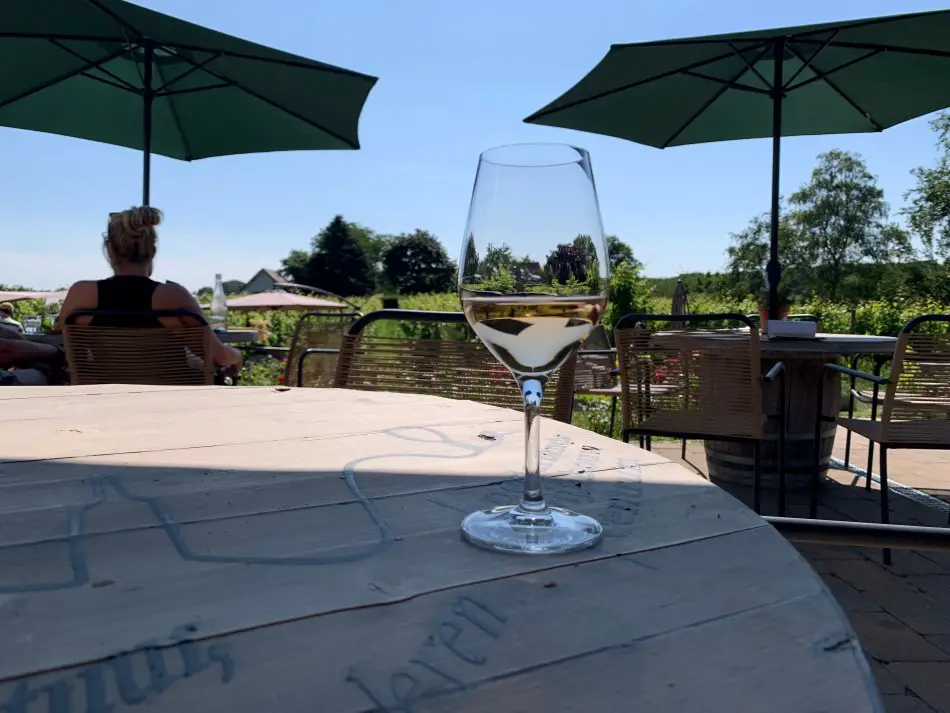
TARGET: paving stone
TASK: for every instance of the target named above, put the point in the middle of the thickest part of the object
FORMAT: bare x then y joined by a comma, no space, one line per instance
936,586
943,641
905,704
887,639
930,681
828,552
848,597
907,562
887,682
900,597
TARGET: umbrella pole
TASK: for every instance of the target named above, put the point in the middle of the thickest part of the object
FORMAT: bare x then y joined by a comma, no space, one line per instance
148,96
774,269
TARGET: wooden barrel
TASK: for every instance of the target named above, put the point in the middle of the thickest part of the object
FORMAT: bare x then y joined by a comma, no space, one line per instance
735,462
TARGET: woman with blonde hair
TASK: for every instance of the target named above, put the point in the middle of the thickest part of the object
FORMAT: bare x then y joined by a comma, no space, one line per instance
130,244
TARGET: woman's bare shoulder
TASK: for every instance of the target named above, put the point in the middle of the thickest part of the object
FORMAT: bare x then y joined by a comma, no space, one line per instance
171,295
84,291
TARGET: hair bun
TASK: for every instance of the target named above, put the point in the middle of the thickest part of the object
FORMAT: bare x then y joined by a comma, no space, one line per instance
137,219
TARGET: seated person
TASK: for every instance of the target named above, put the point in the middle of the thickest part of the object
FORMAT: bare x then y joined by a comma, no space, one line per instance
26,363
6,318
130,243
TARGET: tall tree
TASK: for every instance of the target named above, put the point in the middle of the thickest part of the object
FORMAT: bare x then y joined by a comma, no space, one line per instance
338,263
565,262
842,219
416,262
618,251
749,253
498,258
929,209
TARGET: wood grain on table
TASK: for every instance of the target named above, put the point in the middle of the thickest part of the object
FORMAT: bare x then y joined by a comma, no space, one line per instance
254,549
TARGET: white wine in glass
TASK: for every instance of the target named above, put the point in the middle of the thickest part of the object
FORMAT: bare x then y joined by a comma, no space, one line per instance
533,284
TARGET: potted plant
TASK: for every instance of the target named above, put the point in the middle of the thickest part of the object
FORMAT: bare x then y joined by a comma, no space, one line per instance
784,304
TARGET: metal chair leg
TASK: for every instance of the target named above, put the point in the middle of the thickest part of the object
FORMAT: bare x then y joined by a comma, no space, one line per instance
885,510
781,446
847,439
878,365
816,452
613,414
757,479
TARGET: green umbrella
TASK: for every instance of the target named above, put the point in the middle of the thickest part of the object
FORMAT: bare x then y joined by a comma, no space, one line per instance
111,71
833,78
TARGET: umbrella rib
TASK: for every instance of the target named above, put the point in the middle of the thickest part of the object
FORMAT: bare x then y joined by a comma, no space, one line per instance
806,65
302,63
192,90
820,75
729,84
854,104
62,78
123,23
194,68
616,90
175,117
751,65
77,55
289,112
795,37
885,48
712,100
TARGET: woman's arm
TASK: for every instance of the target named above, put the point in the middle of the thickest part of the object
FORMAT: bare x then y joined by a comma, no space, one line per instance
221,354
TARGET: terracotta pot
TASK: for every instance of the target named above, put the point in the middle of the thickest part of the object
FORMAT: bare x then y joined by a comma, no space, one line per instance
764,314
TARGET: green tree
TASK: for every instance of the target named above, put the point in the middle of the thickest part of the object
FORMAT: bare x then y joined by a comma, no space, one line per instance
841,219
415,263
749,253
618,251
929,211
498,259
296,267
339,263
629,293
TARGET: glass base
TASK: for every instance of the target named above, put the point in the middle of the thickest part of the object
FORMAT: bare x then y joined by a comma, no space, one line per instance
510,529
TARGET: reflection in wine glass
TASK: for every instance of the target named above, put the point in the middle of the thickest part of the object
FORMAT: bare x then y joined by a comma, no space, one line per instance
533,283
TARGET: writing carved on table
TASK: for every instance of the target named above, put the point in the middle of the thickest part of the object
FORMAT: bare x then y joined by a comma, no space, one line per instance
99,686
460,641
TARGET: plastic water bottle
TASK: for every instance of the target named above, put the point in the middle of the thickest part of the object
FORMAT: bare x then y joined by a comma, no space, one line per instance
219,306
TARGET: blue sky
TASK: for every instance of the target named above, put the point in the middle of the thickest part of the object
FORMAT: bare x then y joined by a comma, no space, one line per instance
455,78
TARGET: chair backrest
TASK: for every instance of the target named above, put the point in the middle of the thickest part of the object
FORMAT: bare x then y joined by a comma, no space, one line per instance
917,400
315,347
595,370
456,369
690,381
164,356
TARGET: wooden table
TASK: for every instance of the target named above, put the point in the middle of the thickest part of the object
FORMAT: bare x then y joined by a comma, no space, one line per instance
254,549
804,361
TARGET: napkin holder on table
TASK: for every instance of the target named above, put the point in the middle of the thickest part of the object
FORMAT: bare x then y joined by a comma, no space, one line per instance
794,330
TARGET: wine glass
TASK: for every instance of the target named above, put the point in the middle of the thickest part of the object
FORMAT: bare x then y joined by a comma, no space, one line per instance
533,284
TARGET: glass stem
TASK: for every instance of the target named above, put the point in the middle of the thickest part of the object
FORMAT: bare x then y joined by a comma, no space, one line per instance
532,391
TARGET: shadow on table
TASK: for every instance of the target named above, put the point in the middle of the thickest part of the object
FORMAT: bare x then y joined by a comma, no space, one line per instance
58,518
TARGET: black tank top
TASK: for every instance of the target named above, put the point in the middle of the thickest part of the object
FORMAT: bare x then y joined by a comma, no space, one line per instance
126,293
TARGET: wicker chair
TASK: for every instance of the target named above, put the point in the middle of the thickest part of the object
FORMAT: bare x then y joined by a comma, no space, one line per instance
697,383
439,367
315,346
915,410
171,356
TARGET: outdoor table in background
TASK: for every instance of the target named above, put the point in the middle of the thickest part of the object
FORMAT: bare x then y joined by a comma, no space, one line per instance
804,361
239,336
232,336
260,549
